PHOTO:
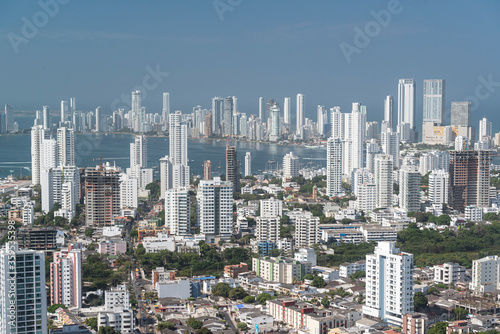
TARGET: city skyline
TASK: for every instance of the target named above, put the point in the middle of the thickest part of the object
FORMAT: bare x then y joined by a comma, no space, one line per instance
313,75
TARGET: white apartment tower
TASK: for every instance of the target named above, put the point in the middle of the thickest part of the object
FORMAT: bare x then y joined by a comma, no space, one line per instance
322,119
406,109
287,107
66,278
64,111
268,229
389,284
337,120
290,166
388,111
438,186
485,129
383,180
65,147
248,164
22,271
334,167
215,208
177,209
306,230
390,145
274,124
434,100
37,136
166,107
485,274
300,112
271,207
409,188
139,152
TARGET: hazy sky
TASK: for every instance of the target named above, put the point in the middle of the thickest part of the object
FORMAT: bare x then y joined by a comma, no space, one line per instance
98,51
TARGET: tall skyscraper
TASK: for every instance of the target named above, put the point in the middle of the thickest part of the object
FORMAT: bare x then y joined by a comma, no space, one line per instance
354,132
460,113
322,120
9,119
37,136
233,168
287,111
434,100
388,111
177,210
135,121
217,115
274,117
406,109
389,284
337,120
334,167
227,122
65,147
409,188
66,277
390,145
60,185
290,166
300,112
214,202
23,299
178,150
64,111
207,170
165,111
72,104
98,120
485,129
102,191
383,179
469,179
47,123
248,164
139,152
261,108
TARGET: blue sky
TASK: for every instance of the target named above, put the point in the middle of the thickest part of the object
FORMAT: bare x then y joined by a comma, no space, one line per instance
99,50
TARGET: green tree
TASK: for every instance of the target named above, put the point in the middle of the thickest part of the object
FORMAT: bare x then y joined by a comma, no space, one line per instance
154,189
203,330
460,313
53,308
221,290
89,232
91,322
237,293
242,326
439,328
325,302
194,324
263,298
419,301
249,299
107,330
318,282
165,325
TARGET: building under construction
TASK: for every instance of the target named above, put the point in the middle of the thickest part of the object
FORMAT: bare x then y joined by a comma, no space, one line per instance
469,179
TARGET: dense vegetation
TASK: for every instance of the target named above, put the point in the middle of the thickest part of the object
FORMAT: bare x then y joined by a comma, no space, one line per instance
210,261
346,253
431,246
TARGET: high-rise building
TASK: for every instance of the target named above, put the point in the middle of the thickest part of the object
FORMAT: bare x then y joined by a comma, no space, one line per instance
409,188
139,152
290,166
214,202
469,179
390,145
60,185
248,164
165,111
366,200
460,113
64,111
177,210
135,121
485,129
306,230
165,175
372,149
208,125
322,119
102,191
66,277
354,136
406,109
389,284
72,104
227,121
98,120
178,151
388,111
438,186
434,99
47,123
267,229
462,143
233,168
262,115
9,119
485,274
129,194
207,170
65,147
334,167
271,207
37,137
287,111
337,120
383,180
217,115
274,127
23,299
300,112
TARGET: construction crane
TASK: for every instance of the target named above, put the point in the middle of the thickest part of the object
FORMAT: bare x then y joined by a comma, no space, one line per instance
229,136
